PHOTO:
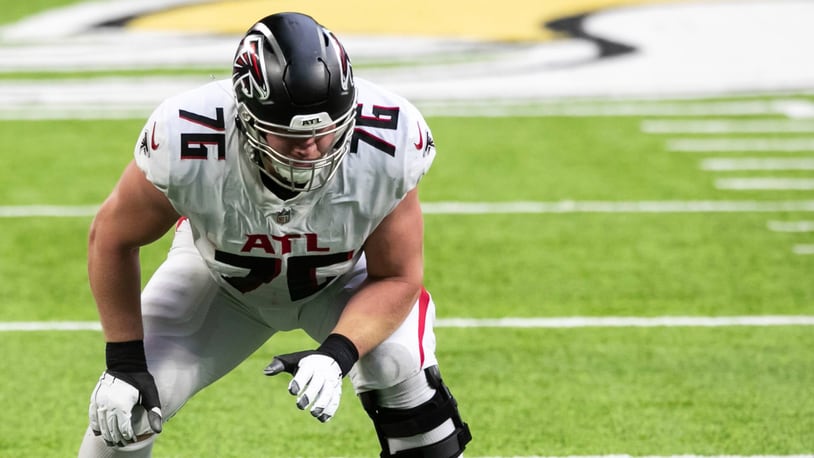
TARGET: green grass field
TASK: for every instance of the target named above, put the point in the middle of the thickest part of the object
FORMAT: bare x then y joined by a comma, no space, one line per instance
661,391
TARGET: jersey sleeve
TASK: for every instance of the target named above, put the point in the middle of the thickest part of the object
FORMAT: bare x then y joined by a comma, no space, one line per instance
423,153
418,149
152,151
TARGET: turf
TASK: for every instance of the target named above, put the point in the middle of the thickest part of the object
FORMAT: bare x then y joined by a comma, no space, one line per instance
526,392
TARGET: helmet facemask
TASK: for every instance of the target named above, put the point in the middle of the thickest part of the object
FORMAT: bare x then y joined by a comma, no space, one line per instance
296,174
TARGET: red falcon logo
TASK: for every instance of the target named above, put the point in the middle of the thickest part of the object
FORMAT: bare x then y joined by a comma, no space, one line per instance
153,144
420,145
249,68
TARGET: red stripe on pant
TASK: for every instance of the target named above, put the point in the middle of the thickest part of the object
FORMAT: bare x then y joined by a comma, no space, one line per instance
423,305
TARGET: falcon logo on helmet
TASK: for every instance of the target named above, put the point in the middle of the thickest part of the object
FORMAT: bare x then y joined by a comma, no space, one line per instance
249,68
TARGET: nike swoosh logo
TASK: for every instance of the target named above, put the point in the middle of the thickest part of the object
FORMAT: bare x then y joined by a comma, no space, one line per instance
420,144
153,144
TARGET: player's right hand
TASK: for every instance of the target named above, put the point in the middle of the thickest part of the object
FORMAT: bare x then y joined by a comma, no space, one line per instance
317,381
112,402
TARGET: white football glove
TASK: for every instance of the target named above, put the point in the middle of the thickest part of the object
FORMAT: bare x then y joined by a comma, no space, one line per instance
318,374
112,402
317,381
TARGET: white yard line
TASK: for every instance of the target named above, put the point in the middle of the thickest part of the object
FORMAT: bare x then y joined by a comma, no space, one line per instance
553,322
792,108
727,126
790,226
714,206
476,208
803,249
709,145
50,326
29,211
765,184
749,163
626,322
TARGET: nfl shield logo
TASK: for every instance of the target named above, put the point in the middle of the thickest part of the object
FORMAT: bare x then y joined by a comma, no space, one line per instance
283,216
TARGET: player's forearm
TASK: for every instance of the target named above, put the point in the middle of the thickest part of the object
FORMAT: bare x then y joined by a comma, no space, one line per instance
376,311
115,281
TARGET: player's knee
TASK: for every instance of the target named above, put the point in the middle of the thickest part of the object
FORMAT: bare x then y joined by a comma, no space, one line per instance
143,442
94,447
386,365
419,421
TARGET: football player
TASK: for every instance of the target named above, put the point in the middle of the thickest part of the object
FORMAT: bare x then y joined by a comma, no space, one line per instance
292,189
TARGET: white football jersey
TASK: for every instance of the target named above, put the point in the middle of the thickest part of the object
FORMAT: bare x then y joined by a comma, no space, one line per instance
261,248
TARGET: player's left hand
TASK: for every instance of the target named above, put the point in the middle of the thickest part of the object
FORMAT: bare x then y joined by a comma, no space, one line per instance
317,381
112,402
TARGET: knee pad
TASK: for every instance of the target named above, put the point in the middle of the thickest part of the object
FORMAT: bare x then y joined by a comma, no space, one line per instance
395,424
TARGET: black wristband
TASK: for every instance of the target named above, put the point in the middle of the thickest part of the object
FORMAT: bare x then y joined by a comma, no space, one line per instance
126,356
342,350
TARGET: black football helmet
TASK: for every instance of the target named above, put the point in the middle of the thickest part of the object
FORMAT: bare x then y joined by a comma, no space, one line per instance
292,78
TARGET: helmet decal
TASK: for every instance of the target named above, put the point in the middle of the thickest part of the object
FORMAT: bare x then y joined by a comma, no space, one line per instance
249,68
343,59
